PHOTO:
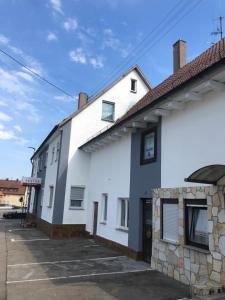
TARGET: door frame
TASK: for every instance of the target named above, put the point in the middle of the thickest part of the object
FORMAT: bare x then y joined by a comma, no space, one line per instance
95,218
144,229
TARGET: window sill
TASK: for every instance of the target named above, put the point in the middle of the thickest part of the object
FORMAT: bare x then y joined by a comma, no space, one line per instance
103,222
76,208
170,242
197,249
122,229
134,92
110,121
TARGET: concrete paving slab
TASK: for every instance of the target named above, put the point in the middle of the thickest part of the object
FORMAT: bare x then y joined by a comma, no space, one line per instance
93,267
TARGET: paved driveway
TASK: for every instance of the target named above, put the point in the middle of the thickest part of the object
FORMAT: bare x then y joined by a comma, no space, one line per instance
79,268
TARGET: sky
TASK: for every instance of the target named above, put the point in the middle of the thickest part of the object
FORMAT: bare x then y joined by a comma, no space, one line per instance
82,45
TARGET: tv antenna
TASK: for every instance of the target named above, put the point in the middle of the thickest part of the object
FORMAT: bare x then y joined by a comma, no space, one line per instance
219,29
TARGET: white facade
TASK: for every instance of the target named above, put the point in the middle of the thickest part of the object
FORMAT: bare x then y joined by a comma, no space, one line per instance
193,138
50,178
109,174
88,123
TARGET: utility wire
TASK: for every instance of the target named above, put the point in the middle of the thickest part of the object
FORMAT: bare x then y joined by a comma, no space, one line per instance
153,42
36,74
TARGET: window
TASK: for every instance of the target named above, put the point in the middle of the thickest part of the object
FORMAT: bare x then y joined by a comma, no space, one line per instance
53,154
108,109
46,159
148,146
57,152
169,220
42,196
133,85
51,193
104,207
76,196
196,225
123,213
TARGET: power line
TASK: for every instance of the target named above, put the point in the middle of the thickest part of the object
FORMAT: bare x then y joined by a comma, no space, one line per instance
153,41
36,74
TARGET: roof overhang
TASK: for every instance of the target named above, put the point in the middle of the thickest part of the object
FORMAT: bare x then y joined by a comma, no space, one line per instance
163,107
212,174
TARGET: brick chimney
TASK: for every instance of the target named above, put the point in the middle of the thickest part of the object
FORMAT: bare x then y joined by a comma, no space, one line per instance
83,100
179,55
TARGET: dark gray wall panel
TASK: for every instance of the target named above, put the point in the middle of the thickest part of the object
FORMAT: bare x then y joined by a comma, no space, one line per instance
61,175
142,180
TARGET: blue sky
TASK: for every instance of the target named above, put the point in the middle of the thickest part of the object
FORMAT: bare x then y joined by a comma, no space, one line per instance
80,46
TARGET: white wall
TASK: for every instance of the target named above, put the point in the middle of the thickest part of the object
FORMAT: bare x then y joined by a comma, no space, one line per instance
50,180
88,123
193,138
109,174
32,194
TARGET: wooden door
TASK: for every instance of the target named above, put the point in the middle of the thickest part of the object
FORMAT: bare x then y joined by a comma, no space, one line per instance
147,229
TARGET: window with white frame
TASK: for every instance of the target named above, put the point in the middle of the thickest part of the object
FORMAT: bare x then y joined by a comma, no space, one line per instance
133,85
169,215
196,223
76,196
123,217
42,196
57,152
108,111
51,193
104,207
53,154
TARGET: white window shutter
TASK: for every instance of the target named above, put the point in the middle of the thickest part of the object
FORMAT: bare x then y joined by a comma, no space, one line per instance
170,222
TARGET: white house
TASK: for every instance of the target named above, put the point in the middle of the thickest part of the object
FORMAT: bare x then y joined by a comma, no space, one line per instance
62,210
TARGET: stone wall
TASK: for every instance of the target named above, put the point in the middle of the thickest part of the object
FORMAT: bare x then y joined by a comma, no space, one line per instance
203,270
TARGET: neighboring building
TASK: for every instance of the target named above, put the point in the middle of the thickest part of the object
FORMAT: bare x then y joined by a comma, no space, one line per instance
11,192
179,129
61,203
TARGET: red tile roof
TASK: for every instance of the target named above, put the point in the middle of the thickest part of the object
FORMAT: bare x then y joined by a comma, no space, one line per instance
202,63
207,59
6,185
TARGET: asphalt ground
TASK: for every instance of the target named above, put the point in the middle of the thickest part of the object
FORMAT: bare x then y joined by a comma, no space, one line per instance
34,267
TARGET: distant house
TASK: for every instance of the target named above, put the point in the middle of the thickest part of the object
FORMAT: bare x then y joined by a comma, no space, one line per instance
11,191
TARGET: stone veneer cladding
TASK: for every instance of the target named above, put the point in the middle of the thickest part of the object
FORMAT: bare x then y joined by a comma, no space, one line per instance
203,270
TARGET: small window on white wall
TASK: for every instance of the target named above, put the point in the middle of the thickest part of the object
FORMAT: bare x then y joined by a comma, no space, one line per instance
133,85
76,196
169,215
104,207
51,192
53,154
123,217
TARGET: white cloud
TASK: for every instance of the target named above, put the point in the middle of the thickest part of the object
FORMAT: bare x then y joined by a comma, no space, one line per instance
18,128
4,117
97,62
11,83
70,24
65,99
78,55
29,110
25,76
112,42
57,6
3,40
52,37
6,134
3,103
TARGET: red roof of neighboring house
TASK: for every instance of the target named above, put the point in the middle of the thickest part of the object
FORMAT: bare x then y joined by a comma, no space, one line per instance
200,64
12,187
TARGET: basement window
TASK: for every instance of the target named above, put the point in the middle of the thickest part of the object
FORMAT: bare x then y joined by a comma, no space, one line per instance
76,196
108,111
196,223
148,146
133,85
169,220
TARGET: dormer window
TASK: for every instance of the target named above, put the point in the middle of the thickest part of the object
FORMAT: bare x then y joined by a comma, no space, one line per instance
133,85
108,110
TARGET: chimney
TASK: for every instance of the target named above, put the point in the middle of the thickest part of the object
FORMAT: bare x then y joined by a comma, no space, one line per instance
83,100
179,55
